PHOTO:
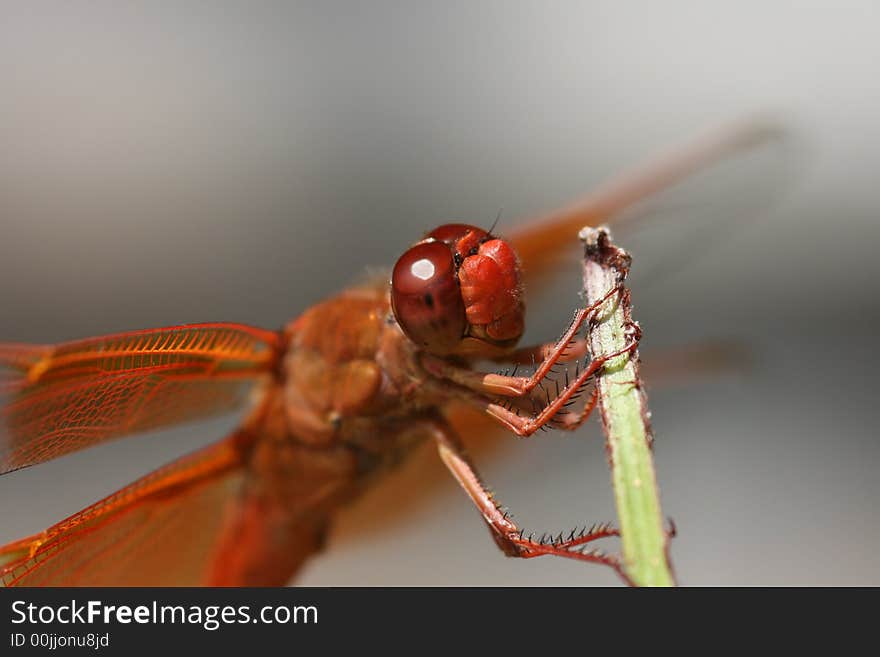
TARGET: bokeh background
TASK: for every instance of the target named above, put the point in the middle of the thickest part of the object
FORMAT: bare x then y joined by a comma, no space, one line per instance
163,163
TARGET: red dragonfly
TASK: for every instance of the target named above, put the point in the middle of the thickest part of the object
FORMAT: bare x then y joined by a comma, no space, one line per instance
337,397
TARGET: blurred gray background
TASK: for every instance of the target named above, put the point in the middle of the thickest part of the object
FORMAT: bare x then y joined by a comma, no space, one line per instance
163,163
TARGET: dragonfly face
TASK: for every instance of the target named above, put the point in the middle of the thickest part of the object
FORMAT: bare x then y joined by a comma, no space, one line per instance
459,292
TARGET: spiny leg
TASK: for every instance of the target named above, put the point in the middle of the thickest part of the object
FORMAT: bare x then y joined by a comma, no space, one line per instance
478,388
469,386
569,421
537,353
512,540
532,407
514,386
575,350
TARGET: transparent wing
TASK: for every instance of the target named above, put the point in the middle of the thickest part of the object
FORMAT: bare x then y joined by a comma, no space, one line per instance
160,530
62,398
689,219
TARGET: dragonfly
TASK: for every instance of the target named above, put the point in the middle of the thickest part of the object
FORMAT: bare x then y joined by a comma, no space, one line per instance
335,399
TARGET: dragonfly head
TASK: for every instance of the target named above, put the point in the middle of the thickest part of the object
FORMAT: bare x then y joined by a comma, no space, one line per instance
459,292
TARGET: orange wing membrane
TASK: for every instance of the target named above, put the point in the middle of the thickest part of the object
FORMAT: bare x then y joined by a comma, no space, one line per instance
160,530
538,241
59,399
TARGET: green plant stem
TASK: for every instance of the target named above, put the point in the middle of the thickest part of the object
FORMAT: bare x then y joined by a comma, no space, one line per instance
624,412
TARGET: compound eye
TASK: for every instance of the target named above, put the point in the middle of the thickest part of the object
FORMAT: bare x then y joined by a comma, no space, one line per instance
463,239
426,299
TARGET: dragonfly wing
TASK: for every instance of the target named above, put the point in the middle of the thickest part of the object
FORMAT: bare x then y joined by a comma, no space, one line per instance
200,520
57,399
160,530
541,241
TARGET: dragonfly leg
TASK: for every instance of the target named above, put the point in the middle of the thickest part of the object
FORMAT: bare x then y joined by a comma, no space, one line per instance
511,539
537,353
519,386
548,409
